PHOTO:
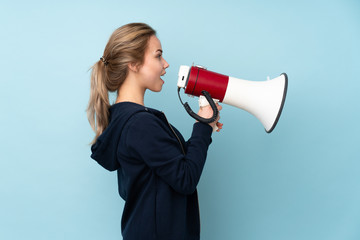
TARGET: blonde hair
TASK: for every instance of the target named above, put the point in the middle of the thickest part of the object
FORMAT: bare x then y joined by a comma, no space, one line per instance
126,45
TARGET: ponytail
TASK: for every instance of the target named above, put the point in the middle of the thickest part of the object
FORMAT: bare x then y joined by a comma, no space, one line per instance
98,108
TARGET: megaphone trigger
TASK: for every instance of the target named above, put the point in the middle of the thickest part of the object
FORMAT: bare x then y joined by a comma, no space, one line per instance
203,102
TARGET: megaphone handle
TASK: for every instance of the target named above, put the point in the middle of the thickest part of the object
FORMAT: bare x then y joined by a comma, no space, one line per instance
197,117
203,102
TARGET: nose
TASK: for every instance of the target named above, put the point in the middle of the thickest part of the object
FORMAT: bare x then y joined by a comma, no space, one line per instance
166,64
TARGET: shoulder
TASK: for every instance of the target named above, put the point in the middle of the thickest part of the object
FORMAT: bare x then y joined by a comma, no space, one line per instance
146,131
144,122
144,118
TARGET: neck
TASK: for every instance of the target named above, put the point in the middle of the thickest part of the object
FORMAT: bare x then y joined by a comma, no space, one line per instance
130,91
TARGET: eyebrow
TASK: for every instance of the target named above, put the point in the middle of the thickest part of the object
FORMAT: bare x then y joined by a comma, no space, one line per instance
159,50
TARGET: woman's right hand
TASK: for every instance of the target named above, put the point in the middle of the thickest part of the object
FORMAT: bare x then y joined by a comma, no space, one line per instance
207,112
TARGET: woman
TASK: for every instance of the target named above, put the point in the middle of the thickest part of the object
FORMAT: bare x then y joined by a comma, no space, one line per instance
157,170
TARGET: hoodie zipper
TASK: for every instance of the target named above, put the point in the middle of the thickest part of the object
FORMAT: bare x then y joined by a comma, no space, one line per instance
177,137
182,148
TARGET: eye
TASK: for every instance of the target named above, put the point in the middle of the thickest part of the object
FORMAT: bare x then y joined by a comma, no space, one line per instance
159,56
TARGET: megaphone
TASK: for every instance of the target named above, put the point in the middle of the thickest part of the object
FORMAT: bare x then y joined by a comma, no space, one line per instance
263,99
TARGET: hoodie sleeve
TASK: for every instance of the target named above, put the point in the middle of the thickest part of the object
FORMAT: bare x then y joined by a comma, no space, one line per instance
149,139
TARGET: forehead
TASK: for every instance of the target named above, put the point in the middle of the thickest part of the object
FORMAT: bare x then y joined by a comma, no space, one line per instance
154,44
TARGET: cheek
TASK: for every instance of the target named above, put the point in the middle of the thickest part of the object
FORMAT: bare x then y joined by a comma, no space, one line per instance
157,69
152,70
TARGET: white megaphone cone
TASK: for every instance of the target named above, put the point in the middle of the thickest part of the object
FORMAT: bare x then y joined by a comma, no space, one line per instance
264,100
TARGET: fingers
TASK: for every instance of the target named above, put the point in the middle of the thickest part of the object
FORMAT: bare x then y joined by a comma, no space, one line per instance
219,126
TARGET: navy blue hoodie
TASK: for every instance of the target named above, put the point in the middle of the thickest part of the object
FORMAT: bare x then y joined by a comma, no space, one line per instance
157,172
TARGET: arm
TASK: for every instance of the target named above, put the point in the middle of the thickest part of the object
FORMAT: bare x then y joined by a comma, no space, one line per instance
149,139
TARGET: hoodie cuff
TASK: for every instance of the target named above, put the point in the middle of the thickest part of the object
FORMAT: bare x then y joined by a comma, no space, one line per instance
202,129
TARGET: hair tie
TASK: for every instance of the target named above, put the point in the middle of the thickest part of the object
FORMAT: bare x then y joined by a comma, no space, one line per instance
104,61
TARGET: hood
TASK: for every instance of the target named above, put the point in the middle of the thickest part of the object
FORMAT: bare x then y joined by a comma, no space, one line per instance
104,150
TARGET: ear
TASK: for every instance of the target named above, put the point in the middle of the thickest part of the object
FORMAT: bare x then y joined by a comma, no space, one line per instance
133,67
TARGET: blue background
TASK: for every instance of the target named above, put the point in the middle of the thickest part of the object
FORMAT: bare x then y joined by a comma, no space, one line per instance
300,182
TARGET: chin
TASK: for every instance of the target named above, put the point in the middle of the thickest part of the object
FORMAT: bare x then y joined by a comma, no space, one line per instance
158,89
